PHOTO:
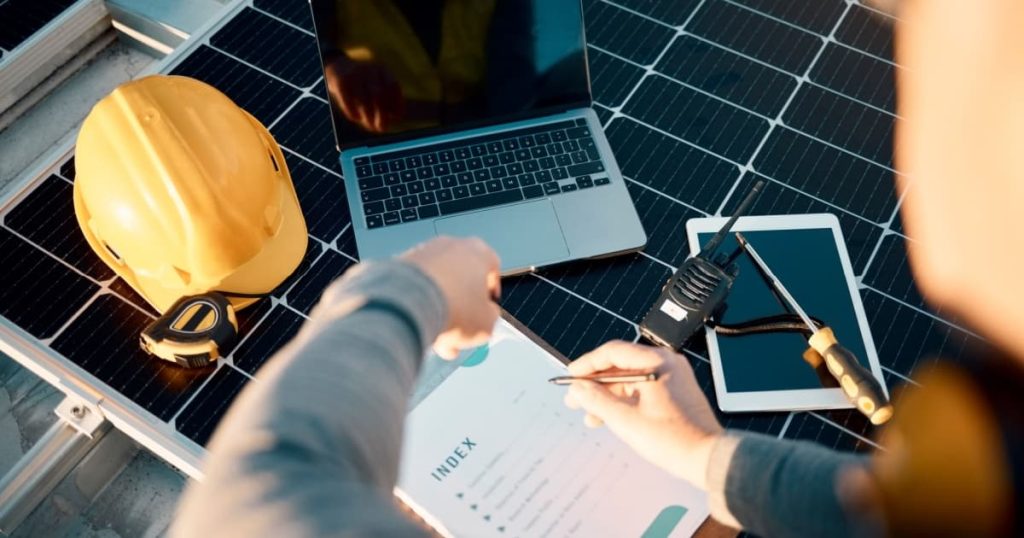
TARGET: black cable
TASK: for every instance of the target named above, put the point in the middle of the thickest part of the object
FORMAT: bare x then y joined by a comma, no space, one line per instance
769,324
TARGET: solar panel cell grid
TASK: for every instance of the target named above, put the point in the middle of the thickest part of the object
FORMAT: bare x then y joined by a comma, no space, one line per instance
690,92
19,19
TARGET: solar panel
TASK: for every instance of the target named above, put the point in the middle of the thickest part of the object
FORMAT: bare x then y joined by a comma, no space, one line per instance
698,98
19,19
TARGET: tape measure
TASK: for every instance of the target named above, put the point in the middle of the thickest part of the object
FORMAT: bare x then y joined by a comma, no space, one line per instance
193,331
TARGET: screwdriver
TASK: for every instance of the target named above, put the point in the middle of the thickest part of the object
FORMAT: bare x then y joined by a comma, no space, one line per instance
860,387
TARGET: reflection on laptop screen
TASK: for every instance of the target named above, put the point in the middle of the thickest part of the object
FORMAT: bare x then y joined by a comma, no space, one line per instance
394,68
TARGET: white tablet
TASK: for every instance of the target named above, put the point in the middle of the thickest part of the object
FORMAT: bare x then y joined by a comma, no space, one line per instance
766,372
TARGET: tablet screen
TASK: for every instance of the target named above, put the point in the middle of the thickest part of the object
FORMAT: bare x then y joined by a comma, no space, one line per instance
808,264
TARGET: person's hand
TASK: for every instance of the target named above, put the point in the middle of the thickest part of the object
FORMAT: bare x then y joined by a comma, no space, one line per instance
669,421
467,273
366,92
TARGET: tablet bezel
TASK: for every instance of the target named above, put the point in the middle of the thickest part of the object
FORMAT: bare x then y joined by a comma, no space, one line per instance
786,400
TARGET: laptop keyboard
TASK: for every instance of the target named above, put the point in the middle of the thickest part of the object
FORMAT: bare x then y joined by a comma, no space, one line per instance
476,173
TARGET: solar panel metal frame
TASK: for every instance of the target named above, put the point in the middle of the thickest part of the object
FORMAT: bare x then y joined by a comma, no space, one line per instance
164,440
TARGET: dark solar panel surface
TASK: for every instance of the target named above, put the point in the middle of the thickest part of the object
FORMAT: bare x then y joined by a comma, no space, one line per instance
19,19
698,97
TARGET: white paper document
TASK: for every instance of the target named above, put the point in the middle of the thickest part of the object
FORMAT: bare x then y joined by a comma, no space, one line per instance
493,451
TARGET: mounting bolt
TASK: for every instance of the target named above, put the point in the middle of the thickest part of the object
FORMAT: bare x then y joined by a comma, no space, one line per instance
79,411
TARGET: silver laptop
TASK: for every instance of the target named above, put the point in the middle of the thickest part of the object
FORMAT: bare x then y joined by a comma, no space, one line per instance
472,118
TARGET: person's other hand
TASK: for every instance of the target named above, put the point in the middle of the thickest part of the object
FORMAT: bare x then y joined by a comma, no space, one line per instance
467,273
366,92
669,421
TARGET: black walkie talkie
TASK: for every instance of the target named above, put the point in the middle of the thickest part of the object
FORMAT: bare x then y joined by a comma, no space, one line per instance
696,290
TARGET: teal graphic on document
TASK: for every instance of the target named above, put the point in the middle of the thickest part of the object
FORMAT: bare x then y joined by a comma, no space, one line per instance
477,357
665,523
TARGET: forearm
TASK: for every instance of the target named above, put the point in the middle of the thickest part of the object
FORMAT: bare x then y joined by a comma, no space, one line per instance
312,446
777,488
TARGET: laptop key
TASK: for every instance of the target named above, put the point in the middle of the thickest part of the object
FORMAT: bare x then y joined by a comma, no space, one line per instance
510,182
462,153
371,182
446,156
449,181
559,173
392,179
543,138
585,182
475,163
538,152
392,217
495,147
465,178
416,187
569,188
490,160
543,176
494,185
374,221
430,159
527,141
396,165
577,132
527,179
547,163
428,211
409,214
427,198
563,159
373,208
375,195
523,155
410,201
413,162
481,175
458,166
444,195
442,169
531,166
559,135
477,189
478,202
425,172
554,149
362,161
579,157
478,150
380,168
432,184
399,190
364,171
533,191
393,204
515,169
507,157
592,153
602,181
511,144
586,169
498,172
551,188
570,145
408,175
461,191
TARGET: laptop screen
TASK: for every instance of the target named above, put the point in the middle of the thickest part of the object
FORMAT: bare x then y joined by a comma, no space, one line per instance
400,68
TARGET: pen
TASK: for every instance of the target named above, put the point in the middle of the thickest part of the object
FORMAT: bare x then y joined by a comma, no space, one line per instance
609,377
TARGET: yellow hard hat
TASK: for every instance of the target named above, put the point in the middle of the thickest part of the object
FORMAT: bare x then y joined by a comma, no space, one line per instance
181,192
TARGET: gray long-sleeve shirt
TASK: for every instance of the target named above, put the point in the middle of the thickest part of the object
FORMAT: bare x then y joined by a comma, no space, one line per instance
311,448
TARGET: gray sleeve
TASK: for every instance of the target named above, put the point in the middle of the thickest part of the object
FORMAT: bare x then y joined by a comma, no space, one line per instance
778,488
311,447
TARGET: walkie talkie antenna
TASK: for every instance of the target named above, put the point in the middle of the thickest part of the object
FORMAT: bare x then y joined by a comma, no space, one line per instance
710,248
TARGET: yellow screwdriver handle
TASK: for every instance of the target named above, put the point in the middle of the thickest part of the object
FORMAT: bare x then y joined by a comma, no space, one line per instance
860,387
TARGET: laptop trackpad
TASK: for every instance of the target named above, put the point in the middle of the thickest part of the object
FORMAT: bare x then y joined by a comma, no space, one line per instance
524,235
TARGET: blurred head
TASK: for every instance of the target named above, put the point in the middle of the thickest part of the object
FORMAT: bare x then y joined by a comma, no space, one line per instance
960,144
